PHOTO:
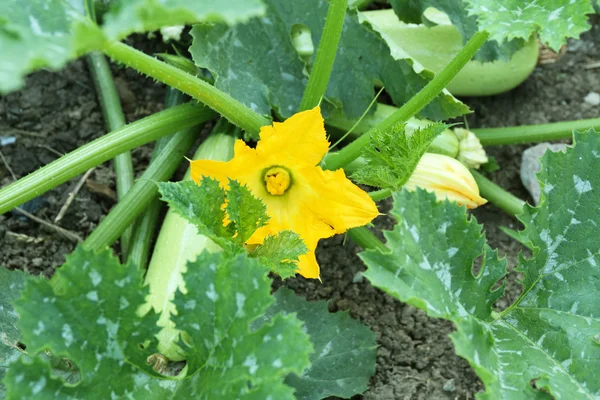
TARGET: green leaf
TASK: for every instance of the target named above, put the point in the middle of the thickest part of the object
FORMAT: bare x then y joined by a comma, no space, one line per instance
86,313
11,285
128,16
280,252
553,20
345,350
246,212
391,157
226,358
38,34
546,343
201,205
412,11
257,64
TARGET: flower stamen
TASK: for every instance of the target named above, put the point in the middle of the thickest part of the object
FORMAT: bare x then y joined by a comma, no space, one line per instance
277,180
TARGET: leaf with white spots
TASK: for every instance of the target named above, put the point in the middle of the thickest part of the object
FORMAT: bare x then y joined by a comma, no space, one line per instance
553,20
11,284
208,206
256,63
547,343
227,358
38,34
345,350
87,314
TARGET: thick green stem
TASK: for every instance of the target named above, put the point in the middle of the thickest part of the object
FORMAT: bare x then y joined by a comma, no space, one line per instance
363,237
221,102
380,194
319,76
114,119
534,133
413,106
498,196
145,225
101,150
143,191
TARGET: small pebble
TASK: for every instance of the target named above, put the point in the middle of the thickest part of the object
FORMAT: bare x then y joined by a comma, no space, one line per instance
592,98
449,386
530,166
358,277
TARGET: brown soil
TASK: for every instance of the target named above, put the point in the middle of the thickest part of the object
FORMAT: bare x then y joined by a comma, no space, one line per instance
57,112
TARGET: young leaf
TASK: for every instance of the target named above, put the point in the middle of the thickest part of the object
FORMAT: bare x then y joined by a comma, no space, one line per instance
391,157
201,205
554,21
86,313
411,11
345,349
257,64
38,34
11,285
246,212
546,343
226,358
280,252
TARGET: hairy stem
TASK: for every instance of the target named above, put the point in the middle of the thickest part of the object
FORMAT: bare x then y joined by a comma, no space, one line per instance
221,102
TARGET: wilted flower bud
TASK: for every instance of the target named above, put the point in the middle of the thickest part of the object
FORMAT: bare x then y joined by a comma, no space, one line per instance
470,153
447,178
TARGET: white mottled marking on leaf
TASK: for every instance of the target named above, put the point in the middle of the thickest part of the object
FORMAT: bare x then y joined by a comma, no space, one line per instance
548,187
38,386
559,276
240,299
279,337
255,283
40,328
95,277
574,307
19,378
581,186
67,334
452,251
35,26
250,362
574,221
92,296
415,233
190,304
101,320
541,340
277,363
211,294
555,14
123,303
195,326
266,338
122,282
423,264
326,350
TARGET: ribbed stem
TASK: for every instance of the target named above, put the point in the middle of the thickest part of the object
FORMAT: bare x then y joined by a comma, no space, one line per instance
414,105
321,70
498,196
114,119
363,237
100,150
534,133
221,102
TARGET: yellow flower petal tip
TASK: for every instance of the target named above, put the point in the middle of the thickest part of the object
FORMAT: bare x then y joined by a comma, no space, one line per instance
299,196
447,178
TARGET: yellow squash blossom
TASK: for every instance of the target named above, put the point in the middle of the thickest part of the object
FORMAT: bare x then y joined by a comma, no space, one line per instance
447,178
283,172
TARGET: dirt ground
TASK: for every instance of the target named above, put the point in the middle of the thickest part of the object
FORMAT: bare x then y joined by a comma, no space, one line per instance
57,112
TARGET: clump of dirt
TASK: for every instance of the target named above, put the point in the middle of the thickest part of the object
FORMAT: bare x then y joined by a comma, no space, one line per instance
57,112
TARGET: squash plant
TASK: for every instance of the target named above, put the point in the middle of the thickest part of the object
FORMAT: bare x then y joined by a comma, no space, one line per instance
202,321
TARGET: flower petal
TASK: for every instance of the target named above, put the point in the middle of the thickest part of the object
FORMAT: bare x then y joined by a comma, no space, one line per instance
300,139
337,201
